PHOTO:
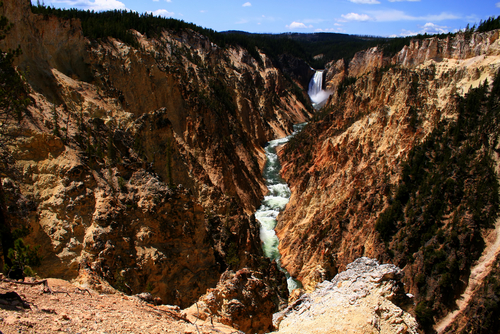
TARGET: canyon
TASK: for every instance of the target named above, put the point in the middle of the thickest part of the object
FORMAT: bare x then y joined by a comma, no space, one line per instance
138,169
349,170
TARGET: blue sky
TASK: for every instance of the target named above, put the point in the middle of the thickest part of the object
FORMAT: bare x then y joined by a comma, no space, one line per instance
362,17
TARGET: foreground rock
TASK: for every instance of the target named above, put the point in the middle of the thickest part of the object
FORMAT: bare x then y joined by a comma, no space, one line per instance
361,299
75,310
244,300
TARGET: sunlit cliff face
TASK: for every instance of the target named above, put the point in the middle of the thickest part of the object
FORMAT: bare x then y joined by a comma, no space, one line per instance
157,173
344,169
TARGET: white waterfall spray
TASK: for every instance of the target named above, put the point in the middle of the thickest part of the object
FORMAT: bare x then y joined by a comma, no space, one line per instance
316,92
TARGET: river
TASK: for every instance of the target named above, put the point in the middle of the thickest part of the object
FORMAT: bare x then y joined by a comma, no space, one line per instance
279,192
273,203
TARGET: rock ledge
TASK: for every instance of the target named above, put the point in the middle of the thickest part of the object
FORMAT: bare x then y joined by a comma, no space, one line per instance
361,299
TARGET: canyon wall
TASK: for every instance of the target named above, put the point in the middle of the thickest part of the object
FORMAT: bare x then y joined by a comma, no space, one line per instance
139,168
348,168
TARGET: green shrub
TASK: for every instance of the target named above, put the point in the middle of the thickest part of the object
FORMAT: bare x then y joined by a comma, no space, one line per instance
424,315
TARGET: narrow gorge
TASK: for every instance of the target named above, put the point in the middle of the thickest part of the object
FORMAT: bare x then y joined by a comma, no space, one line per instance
274,202
217,182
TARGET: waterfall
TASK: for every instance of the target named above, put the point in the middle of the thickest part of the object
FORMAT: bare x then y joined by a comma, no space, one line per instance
318,95
276,200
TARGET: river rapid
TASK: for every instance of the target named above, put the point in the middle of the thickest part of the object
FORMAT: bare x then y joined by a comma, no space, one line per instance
279,192
275,201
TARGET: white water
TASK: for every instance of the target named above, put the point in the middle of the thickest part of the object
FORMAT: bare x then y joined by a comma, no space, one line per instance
318,95
273,203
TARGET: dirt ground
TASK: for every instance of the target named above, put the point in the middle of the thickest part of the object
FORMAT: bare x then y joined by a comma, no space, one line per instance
69,309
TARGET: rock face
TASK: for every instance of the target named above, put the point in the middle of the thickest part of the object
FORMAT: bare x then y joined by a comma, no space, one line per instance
344,168
139,169
118,223
240,300
361,299
418,52
354,158
47,43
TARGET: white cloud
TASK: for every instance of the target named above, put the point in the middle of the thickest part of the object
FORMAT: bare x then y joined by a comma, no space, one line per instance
298,25
391,15
397,15
340,30
162,12
432,28
247,4
428,28
97,5
313,20
366,2
497,4
169,1
355,17
156,0
404,0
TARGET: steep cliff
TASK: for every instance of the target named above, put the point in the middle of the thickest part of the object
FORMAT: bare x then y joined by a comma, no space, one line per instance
347,169
140,168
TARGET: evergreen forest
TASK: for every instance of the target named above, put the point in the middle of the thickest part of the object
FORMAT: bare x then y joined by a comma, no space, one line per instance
316,49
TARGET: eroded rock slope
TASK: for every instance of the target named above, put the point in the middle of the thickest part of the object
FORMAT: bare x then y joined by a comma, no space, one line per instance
398,149
139,168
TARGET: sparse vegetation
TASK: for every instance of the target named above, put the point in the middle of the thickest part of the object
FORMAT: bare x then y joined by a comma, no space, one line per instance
347,82
22,257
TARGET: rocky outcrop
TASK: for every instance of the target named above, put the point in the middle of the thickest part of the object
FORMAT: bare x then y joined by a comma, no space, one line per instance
244,300
362,299
452,50
462,46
